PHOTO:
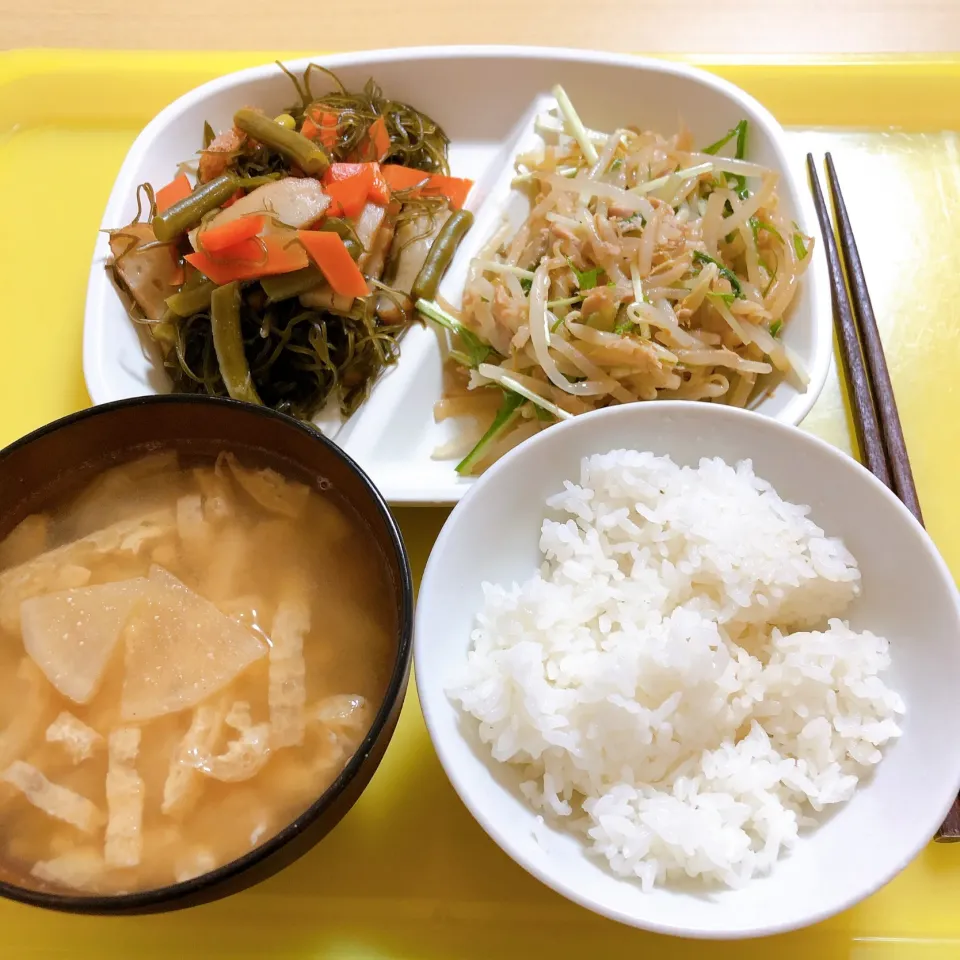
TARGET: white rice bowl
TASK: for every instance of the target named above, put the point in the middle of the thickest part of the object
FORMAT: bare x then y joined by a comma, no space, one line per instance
676,683
906,594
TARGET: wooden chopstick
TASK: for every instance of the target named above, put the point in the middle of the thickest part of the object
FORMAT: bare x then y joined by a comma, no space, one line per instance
869,438
875,415
882,388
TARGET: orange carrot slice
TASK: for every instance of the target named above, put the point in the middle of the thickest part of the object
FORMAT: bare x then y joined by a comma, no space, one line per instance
399,177
321,126
216,239
379,189
329,253
349,196
342,171
455,189
173,192
251,259
379,138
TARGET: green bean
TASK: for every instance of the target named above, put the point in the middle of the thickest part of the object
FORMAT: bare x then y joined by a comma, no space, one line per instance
228,343
283,286
187,213
165,331
189,300
346,233
251,183
440,256
306,154
340,227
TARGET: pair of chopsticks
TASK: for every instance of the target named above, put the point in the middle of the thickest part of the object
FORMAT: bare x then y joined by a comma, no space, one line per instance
875,416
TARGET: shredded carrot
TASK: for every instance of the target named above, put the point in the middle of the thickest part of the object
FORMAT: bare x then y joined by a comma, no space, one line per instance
399,177
455,189
330,254
251,259
349,196
217,239
173,192
379,138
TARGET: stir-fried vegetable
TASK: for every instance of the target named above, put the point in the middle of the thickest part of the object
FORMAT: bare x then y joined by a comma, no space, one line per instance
349,196
283,276
295,353
228,343
505,418
225,235
441,254
188,212
329,252
365,125
175,191
192,297
250,259
646,269
297,149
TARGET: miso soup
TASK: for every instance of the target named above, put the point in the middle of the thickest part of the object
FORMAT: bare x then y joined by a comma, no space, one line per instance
191,650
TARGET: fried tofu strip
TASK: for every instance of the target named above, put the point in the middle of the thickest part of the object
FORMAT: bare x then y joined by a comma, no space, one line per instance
26,722
287,693
271,490
245,756
79,869
77,738
184,781
125,796
52,799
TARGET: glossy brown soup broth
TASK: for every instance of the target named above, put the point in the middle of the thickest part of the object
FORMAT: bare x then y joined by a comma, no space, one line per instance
191,650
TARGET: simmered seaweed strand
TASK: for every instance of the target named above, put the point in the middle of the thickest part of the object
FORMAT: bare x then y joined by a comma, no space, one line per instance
297,356
412,210
256,160
416,140
146,190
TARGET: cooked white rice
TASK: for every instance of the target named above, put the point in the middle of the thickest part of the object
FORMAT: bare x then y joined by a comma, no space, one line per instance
675,682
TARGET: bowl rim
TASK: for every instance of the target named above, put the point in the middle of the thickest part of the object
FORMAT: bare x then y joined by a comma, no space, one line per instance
449,749
166,897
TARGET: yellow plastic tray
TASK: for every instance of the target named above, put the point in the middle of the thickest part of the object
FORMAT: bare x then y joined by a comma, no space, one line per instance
408,874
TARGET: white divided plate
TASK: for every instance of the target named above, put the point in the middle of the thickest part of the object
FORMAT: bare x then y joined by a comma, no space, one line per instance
485,98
